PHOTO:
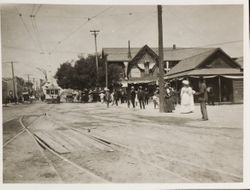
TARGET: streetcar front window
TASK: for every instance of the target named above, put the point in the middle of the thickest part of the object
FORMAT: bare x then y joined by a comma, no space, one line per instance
47,91
56,91
52,91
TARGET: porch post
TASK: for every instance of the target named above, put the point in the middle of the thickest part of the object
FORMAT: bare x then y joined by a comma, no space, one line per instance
125,63
219,89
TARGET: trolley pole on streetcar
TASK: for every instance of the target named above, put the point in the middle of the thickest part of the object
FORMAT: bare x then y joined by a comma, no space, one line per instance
95,33
161,68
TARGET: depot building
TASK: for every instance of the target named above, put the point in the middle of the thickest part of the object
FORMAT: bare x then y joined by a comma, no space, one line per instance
140,67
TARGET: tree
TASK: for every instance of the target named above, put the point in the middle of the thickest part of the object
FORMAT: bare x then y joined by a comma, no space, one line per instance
64,75
83,73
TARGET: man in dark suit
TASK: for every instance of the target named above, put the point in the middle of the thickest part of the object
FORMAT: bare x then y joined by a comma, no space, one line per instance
202,97
141,98
133,96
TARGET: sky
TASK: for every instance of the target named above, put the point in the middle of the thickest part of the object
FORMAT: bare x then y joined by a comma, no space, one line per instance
59,33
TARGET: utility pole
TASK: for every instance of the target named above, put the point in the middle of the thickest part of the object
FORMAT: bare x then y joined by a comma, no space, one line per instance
28,83
14,83
95,33
106,71
161,68
28,75
44,73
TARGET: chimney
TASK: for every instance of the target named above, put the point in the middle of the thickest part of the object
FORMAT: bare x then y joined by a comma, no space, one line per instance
129,51
174,46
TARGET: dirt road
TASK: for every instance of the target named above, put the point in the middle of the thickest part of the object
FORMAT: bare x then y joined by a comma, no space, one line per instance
125,145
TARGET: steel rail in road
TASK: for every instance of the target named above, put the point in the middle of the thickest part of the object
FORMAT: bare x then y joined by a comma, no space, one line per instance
19,133
47,147
167,158
109,144
13,138
121,147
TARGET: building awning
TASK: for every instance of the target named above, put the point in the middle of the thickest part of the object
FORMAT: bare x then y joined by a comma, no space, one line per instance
208,73
141,81
151,80
233,77
205,77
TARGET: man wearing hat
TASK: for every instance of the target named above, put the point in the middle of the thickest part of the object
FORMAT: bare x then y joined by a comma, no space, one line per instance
133,96
107,96
202,97
141,97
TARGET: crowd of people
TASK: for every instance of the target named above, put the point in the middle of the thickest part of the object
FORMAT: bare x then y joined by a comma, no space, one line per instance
140,97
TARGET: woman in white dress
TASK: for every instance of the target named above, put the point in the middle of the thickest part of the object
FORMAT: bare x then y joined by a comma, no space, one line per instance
187,98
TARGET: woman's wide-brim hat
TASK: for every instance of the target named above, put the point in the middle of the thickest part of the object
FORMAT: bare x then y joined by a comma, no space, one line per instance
185,82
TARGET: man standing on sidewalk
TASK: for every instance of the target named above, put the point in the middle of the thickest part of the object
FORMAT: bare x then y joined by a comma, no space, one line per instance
203,98
107,96
141,98
128,96
133,96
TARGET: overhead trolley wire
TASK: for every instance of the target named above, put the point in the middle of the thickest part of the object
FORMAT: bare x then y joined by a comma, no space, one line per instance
79,27
35,28
26,27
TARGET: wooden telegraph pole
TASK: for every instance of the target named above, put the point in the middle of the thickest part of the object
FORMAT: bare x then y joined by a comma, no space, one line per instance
161,68
106,71
14,83
95,32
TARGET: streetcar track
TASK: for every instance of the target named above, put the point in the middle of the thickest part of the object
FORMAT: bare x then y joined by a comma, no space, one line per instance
13,138
48,148
162,156
39,145
20,132
110,143
119,147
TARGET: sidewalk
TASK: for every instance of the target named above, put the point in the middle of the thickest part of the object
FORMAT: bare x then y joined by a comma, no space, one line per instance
220,116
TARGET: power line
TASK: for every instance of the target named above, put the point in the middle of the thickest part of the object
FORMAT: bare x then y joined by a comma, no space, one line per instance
82,17
36,32
98,14
223,43
45,52
33,8
79,27
70,52
34,25
25,26
38,9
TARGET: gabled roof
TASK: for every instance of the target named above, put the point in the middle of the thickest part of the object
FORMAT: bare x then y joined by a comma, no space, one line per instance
191,62
170,54
119,54
196,61
142,51
240,61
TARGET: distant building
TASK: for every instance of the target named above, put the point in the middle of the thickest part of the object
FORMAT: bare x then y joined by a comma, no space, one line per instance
8,89
140,67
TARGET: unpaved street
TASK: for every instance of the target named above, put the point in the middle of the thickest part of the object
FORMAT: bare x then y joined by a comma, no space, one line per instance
89,143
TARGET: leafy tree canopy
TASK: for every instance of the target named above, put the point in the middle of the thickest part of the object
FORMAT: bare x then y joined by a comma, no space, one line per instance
83,73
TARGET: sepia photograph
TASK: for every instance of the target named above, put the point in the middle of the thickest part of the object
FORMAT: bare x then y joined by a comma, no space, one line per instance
103,93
